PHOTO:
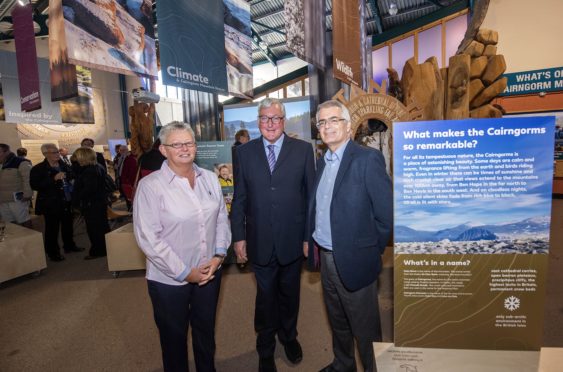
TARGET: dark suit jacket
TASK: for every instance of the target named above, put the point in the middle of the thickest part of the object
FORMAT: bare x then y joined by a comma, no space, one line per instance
50,194
101,160
361,215
269,210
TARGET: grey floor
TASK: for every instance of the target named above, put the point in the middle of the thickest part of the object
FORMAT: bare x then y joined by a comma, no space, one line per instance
76,317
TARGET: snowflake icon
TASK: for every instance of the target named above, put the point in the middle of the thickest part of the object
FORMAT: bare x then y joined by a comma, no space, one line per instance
511,303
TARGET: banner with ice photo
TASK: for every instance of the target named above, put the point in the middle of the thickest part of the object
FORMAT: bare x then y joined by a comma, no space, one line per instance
472,219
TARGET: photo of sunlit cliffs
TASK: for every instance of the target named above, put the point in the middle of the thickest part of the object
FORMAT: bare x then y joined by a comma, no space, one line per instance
111,35
80,110
529,236
238,47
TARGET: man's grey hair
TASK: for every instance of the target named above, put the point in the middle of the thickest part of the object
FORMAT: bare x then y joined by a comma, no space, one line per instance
47,146
334,103
172,127
269,102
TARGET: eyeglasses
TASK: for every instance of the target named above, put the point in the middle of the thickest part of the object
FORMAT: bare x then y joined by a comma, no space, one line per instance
179,145
265,119
333,121
52,152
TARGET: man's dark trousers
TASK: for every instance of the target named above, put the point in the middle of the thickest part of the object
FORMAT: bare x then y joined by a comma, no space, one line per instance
277,304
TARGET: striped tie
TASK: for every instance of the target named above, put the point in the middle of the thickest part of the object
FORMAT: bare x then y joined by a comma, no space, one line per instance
271,158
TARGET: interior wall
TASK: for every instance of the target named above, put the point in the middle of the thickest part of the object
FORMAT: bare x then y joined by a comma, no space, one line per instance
529,32
107,112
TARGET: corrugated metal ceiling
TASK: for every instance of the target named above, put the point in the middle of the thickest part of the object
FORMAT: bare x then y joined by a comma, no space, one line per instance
268,19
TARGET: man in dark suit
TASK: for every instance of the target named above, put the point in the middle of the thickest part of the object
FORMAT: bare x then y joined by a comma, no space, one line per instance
52,180
274,179
350,218
89,142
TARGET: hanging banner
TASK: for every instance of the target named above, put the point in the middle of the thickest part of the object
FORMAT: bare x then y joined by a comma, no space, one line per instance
472,222
305,30
28,75
238,47
80,110
2,111
63,74
191,37
346,41
111,35
49,112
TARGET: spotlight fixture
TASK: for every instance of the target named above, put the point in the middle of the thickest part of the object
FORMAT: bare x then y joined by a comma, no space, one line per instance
393,8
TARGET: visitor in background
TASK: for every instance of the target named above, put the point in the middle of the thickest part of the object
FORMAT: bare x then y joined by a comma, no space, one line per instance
63,151
22,152
151,161
241,137
90,197
127,172
181,224
52,180
15,190
89,142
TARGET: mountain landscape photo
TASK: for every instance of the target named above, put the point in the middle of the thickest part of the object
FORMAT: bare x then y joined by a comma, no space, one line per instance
527,236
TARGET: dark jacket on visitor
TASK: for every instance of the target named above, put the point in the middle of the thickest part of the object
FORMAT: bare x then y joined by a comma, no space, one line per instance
50,193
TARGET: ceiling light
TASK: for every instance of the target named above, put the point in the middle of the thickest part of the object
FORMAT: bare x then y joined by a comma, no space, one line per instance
393,8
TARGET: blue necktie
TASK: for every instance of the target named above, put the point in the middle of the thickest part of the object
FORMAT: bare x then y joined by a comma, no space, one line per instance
271,158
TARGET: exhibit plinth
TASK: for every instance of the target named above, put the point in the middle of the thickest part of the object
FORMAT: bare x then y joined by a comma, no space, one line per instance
411,359
123,251
21,252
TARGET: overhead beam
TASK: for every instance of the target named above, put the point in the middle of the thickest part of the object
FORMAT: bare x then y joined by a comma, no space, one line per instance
437,3
268,27
268,14
40,19
376,15
420,22
263,47
6,7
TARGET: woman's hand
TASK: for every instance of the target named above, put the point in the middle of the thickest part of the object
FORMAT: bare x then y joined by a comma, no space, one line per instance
206,272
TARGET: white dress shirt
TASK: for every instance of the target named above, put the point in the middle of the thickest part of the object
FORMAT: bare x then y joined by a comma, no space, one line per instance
177,227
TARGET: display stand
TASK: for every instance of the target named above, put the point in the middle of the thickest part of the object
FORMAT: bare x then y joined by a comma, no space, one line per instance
123,252
21,252
411,359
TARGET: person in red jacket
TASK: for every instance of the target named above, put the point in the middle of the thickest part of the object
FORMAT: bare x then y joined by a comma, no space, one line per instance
127,172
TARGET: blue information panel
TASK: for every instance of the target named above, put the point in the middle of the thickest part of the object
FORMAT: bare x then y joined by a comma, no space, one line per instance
472,220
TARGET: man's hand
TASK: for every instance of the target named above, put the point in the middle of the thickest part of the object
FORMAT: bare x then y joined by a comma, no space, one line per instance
59,176
240,251
306,249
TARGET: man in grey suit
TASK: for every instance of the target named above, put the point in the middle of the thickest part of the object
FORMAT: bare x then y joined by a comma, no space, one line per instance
273,182
350,217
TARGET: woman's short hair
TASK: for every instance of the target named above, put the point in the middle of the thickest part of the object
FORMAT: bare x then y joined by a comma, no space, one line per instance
174,126
85,156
